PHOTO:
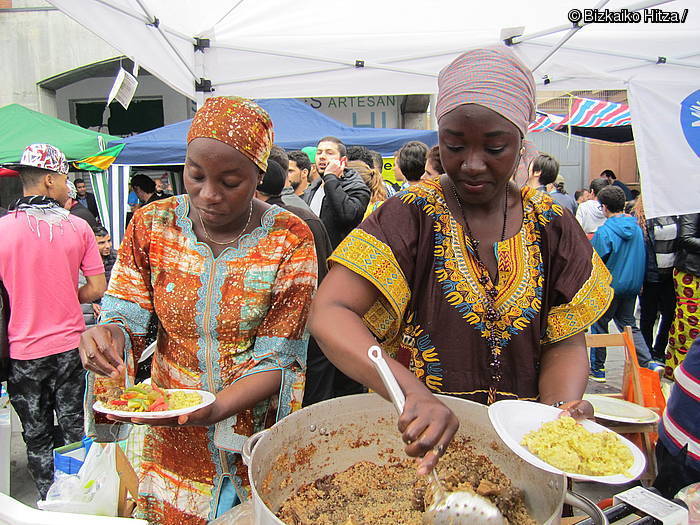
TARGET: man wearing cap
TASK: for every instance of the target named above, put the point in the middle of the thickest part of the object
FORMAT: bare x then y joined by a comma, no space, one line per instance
320,372
42,250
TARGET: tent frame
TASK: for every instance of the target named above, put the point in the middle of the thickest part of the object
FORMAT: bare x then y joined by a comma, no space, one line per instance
203,85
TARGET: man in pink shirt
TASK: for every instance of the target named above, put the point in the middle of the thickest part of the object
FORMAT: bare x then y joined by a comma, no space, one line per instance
43,247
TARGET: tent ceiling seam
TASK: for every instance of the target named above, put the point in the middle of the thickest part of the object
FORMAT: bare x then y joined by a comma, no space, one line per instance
549,80
350,63
651,59
307,72
390,60
286,75
227,14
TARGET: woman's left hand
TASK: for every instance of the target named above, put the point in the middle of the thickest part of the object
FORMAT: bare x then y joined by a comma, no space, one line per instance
199,418
580,409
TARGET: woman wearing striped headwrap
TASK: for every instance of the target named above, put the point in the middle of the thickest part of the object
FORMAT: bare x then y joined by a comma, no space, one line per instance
229,279
479,289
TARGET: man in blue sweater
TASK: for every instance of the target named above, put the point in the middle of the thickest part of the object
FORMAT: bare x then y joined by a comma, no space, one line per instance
620,243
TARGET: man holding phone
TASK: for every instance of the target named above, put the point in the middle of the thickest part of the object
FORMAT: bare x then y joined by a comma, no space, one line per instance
340,196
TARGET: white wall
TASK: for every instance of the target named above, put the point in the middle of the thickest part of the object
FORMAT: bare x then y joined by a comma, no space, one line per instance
175,106
35,45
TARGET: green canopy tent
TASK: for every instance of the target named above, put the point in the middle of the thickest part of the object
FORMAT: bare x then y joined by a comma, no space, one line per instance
20,126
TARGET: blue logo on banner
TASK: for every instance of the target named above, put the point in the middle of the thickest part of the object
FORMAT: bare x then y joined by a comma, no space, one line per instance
690,120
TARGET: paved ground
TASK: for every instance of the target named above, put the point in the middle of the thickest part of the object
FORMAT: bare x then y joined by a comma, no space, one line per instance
22,487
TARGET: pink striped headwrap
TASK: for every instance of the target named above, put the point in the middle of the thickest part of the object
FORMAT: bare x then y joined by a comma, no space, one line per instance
495,78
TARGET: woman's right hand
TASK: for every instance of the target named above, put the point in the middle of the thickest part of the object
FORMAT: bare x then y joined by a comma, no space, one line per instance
427,427
101,348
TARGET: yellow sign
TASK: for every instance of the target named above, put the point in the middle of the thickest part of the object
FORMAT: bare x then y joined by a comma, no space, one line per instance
388,170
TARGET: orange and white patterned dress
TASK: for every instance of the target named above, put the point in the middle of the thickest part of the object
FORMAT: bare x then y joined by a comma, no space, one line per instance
220,319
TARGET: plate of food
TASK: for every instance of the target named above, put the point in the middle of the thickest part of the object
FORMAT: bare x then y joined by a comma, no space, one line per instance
146,401
585,451
619,410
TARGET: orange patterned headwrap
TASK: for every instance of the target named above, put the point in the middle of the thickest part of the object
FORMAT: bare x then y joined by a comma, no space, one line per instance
238,122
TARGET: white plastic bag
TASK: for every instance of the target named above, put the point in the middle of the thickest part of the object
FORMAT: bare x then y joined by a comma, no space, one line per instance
94,490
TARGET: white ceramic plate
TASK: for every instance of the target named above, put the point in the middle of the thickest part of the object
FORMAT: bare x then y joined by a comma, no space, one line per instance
513,419
207,399
619,410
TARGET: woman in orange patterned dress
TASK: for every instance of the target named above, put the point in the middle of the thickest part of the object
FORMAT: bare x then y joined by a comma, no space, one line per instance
230,280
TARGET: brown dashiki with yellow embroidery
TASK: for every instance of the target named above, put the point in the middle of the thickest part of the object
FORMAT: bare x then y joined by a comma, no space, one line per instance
221,319
430,314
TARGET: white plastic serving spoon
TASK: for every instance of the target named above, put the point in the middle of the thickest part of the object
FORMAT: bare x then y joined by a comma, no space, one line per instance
448,508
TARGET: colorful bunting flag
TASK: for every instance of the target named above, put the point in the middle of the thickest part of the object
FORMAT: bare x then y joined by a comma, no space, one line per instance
587,113
101,161
545,122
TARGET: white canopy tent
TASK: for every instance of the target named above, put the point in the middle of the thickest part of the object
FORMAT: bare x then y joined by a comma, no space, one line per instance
285,48
317,48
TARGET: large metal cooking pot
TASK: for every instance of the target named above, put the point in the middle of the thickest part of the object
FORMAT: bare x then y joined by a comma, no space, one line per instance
331,436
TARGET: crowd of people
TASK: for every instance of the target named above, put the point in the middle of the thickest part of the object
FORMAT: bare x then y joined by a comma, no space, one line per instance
270,277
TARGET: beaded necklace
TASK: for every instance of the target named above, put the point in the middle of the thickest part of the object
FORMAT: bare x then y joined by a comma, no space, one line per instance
490,293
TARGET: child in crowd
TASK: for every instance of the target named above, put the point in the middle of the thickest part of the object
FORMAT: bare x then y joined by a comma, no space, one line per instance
620,243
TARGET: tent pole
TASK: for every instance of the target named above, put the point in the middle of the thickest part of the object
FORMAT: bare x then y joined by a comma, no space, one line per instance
564,39
269,77
299,73
226,15
145,20
653,59
556,48
199,68
167,41
616,70
345,62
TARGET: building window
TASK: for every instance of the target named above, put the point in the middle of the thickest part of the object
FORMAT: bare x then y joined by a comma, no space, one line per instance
142,115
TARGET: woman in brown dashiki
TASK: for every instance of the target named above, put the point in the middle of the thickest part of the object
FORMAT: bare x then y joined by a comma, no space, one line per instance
481,289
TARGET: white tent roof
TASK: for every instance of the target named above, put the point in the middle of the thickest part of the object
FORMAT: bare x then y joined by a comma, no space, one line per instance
304,48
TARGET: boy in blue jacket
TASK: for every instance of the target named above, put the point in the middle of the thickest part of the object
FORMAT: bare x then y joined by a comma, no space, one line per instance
620,243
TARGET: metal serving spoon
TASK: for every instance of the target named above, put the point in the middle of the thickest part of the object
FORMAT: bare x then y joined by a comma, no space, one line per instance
448,508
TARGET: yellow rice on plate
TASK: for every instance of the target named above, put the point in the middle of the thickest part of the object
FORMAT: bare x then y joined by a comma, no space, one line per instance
180,399
568,446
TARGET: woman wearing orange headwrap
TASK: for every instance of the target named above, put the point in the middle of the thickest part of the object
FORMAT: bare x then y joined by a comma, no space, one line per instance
230,280
480,289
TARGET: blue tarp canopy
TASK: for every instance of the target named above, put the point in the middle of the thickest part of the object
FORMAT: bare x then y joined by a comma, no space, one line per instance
296,125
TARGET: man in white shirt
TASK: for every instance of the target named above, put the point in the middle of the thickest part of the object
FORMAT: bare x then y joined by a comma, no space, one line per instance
590,213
